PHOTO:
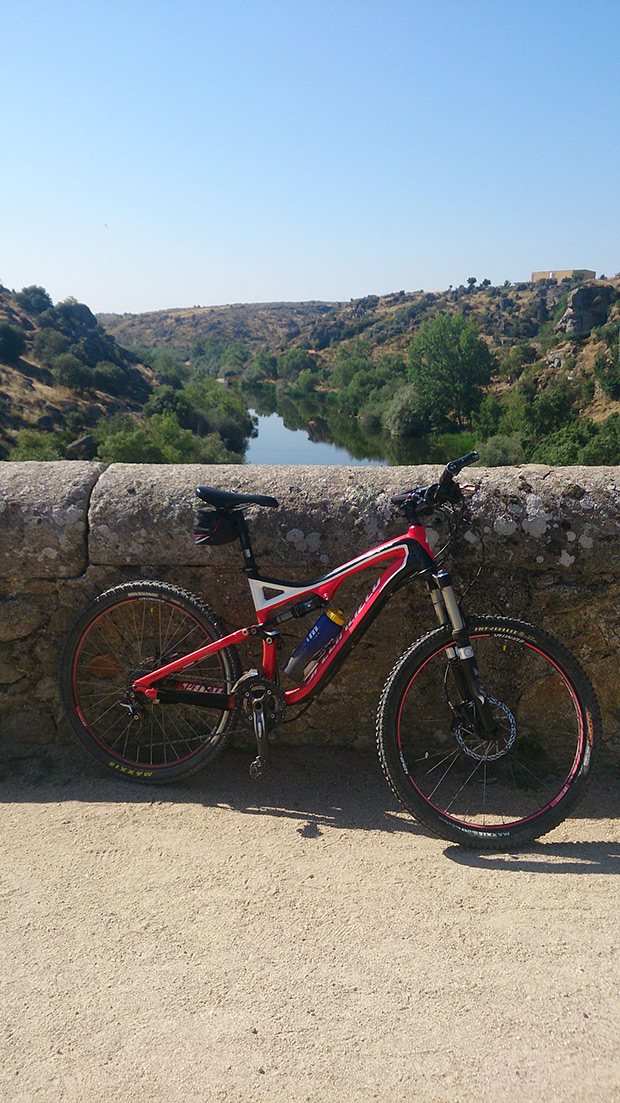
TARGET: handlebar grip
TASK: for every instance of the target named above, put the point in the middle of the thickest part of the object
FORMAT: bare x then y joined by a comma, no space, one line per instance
464,461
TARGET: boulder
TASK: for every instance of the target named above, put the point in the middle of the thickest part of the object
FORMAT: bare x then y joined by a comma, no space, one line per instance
588,307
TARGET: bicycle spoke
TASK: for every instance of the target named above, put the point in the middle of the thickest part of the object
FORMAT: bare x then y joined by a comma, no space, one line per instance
124,642
477,778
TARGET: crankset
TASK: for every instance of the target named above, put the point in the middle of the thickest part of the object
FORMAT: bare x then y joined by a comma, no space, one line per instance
260,704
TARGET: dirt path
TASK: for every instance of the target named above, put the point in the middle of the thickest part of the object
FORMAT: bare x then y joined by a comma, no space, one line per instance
296,939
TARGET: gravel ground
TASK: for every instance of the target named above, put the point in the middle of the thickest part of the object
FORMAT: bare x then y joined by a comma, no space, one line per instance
296,938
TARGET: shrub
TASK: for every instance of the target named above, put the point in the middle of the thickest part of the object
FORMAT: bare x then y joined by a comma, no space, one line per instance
76,315
32,444
48,344
133,445
604,448
70,372
34,300
402,418
502,450
122,439
110,378
12,343
566,445
553,407
370,419
607,371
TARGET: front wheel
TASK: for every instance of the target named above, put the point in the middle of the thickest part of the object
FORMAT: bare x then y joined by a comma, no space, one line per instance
124,633
489,792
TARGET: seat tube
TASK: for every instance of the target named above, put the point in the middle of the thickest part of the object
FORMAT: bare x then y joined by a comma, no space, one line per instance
246,546
270,647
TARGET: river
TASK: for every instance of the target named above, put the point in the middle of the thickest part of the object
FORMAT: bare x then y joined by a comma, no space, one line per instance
277,444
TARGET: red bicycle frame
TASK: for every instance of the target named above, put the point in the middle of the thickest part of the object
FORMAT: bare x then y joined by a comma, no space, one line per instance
404,557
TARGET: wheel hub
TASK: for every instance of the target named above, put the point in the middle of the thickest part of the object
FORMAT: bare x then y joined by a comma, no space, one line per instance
478,745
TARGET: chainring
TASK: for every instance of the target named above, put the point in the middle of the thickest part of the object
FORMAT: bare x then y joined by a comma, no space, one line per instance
250,688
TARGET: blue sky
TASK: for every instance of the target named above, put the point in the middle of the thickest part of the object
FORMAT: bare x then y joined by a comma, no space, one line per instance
159,154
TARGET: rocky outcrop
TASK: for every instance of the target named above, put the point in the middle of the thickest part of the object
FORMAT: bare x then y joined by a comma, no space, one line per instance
588,307
68,530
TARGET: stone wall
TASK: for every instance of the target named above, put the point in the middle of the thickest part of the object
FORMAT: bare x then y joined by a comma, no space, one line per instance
68,530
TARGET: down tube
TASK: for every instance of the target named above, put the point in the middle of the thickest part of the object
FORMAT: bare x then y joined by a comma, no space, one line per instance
386,585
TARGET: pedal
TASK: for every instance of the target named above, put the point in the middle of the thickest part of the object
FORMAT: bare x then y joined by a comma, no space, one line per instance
257,769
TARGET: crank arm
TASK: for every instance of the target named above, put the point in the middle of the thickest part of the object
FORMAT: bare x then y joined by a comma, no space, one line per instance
263,760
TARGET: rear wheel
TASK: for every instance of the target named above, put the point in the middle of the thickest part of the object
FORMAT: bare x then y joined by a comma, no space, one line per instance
128,631
486,792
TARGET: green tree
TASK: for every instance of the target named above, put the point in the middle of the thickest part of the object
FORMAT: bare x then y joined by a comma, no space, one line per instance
159,440
294,362
604,448
34,300
77,316
449,364
262,367
110,378
607,371
552,408
70,372
167,398
131,445
48,344
402,417
501,450
566,445
169,369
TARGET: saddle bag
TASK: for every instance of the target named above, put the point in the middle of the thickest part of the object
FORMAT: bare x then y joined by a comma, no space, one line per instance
215,526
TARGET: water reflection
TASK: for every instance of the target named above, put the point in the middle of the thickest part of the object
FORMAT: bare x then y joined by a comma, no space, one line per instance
305,432
277,444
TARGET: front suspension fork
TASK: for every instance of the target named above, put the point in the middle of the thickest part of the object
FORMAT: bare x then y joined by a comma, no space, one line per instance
462,657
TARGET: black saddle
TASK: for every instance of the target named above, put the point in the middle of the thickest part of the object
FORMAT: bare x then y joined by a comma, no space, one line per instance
224,499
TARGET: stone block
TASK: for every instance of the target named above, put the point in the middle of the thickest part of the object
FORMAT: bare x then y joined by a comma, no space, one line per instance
43,511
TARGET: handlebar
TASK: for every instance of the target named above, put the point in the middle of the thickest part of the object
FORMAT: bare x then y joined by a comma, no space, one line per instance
424,499
455,466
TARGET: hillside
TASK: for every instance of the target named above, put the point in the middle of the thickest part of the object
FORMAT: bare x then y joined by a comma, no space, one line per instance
59,369
68,390
505,315
551,392
273,326
144,388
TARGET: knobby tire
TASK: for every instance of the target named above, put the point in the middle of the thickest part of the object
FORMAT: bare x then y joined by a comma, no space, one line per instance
124,633
489,793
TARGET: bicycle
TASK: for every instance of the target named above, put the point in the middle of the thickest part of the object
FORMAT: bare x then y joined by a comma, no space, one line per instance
486,726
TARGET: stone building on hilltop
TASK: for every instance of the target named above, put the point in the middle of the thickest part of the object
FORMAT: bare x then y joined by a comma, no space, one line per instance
567,273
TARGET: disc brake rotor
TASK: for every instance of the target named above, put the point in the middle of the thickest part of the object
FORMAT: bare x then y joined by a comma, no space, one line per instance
475,744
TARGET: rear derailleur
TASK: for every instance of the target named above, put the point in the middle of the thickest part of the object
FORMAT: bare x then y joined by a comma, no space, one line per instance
260,704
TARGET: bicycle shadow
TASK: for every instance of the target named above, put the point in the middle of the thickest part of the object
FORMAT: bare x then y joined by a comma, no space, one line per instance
314,787
601,802
544,857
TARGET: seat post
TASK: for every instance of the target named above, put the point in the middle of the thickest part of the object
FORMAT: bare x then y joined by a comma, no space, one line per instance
250,565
